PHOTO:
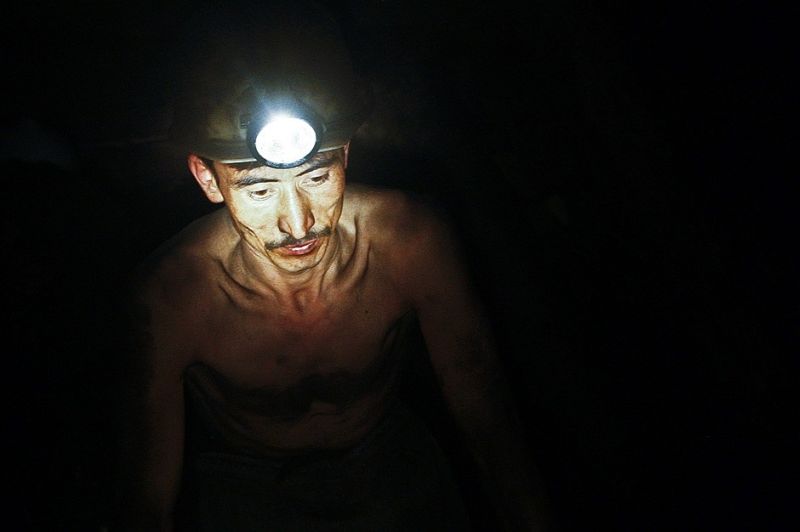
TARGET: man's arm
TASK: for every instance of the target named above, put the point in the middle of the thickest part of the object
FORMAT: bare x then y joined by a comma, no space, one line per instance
469,372
152,411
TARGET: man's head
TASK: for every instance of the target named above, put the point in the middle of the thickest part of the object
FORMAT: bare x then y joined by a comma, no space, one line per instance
247,68
285,215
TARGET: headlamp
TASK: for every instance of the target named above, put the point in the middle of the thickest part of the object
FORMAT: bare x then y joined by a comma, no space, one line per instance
284,137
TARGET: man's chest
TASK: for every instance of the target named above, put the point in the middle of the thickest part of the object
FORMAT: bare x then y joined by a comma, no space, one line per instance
286,374
274,349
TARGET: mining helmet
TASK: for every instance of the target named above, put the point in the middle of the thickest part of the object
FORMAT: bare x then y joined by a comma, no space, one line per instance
274,89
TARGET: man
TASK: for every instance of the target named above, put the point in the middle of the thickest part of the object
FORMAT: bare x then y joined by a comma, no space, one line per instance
270,332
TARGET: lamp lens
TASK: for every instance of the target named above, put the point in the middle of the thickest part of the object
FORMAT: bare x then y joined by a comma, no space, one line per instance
285,139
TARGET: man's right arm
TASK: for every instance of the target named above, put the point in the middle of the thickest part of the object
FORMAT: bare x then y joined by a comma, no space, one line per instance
150,449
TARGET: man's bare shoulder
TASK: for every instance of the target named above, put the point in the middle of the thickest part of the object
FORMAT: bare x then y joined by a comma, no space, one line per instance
394,216
174,274
410,235
168,299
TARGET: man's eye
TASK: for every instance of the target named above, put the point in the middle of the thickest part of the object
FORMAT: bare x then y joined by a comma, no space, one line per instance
317,180
260,194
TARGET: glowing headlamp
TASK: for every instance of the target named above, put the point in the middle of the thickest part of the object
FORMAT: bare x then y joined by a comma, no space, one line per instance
284,138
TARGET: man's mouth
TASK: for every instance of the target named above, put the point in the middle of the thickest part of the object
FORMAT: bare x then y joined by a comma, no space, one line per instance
300,249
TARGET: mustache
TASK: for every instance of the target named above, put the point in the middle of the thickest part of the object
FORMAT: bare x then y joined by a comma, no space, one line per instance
291,241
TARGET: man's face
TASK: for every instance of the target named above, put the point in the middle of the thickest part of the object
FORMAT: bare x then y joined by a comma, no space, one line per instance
286,215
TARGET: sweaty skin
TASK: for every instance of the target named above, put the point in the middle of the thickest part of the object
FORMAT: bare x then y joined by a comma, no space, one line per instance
278,314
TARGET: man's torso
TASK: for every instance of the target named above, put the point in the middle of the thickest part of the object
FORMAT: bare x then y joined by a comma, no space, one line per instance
315,373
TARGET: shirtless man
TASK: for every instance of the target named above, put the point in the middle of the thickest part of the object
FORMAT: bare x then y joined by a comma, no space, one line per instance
273,326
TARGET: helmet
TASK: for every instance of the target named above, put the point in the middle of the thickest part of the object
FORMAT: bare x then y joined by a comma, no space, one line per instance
274,86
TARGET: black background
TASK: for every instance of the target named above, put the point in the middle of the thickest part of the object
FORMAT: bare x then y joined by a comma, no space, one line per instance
620,173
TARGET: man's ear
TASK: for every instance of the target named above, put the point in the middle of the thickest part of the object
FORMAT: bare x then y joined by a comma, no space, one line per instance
346,153
205,178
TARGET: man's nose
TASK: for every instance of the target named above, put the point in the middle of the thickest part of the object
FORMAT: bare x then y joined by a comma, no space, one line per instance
295,217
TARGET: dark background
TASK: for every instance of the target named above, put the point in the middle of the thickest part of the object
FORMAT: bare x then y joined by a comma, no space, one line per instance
621,175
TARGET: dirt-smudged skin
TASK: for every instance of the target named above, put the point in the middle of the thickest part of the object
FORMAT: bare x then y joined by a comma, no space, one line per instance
283,376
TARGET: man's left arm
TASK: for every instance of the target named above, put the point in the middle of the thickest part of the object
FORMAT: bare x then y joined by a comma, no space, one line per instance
464,356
